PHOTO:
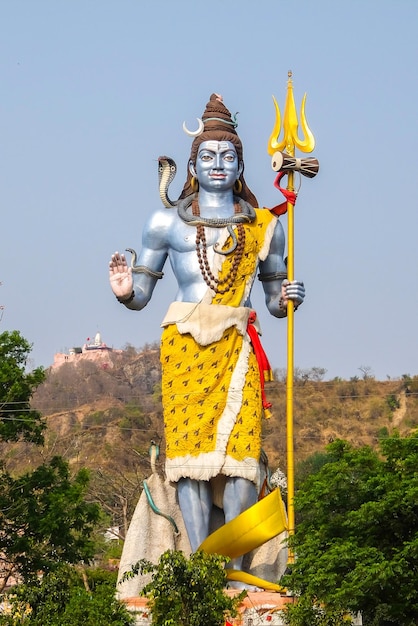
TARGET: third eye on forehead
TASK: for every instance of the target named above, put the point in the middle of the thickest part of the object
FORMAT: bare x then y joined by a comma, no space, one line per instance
217,146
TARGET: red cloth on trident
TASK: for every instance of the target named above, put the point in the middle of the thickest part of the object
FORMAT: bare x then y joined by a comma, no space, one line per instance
266,373
280,209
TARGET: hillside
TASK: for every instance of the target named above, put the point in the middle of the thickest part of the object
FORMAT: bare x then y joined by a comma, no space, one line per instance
104,417
93,411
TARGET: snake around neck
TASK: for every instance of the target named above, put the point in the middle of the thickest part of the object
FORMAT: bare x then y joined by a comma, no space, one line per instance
244,214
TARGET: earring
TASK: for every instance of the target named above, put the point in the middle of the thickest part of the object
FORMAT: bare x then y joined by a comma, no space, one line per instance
194,184
238,186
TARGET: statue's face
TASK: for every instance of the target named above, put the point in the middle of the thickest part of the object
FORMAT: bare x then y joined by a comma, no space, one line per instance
217,165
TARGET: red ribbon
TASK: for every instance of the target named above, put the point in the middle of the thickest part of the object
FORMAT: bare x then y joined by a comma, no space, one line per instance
264,367
290,196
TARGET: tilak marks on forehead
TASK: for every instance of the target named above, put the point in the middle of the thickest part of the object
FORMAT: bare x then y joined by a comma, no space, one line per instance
217,146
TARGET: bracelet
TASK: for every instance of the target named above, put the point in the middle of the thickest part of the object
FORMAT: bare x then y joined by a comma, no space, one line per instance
126,300
283,306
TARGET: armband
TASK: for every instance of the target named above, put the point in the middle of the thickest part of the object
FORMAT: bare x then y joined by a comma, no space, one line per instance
265,278
143,269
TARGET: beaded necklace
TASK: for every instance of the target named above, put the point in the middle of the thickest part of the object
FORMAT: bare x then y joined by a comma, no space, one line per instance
218,285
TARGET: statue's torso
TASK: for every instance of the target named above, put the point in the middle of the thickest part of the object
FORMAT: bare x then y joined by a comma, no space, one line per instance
185,263
174,238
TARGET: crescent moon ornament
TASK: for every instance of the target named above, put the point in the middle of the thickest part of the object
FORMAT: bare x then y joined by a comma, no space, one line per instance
194,133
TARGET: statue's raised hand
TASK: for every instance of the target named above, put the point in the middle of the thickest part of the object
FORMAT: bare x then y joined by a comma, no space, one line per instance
120,276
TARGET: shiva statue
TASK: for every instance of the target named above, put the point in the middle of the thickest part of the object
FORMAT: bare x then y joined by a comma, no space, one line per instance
217,240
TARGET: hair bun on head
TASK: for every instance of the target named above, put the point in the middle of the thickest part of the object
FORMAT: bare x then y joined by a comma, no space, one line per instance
218,125
217,117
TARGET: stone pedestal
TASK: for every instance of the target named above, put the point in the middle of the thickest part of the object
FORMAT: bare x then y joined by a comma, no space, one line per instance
260,608
150,534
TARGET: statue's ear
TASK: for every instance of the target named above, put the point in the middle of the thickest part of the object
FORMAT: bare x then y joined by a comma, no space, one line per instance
240,168
192,168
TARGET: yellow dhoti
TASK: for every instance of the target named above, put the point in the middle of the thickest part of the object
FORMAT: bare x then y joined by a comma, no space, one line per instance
211,381
212,406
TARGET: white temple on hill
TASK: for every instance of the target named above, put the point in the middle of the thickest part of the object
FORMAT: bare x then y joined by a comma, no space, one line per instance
95,350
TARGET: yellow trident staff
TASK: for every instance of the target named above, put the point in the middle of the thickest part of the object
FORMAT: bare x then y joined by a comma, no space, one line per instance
288,143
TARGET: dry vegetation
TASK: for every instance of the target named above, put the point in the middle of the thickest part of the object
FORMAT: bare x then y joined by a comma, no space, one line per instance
360,411
105,417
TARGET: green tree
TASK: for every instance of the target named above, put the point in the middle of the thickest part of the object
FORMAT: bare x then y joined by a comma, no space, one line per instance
17,419
310,465
304,612
44,515
187,591
67,597
44,519
357,539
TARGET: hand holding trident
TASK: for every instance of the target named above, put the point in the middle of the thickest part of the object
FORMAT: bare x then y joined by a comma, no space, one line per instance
282,161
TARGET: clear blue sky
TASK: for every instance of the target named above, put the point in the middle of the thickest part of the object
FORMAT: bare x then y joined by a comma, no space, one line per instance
92,91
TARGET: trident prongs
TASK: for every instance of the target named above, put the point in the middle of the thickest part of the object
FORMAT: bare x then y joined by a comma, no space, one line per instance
290,126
